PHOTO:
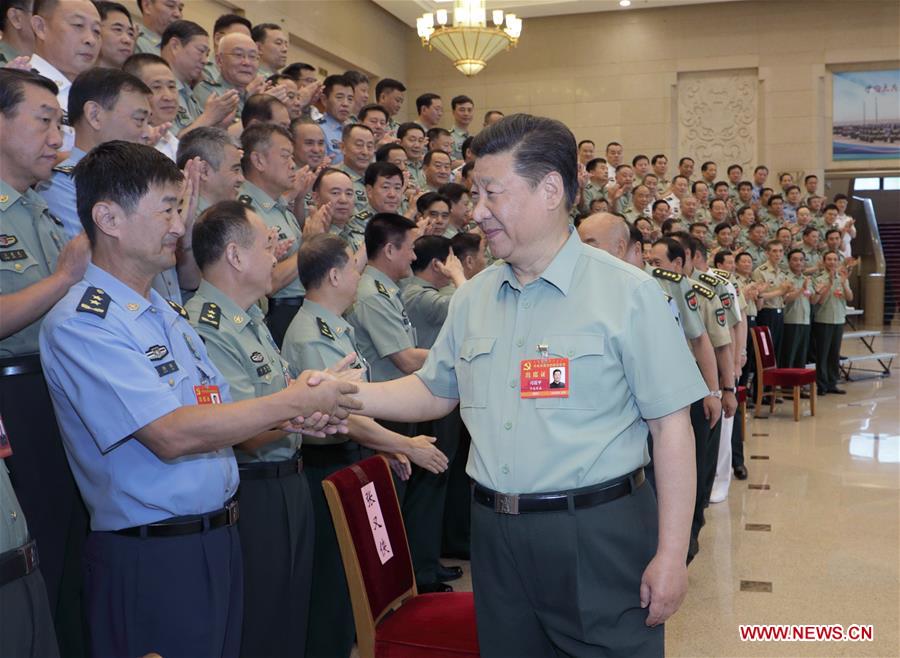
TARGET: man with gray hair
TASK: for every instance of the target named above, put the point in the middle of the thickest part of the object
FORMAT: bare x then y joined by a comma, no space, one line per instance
219,156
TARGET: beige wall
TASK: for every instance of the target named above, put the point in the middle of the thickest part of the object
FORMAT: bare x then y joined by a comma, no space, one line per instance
613,75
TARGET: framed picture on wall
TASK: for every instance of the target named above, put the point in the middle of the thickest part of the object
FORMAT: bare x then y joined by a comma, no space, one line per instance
866,115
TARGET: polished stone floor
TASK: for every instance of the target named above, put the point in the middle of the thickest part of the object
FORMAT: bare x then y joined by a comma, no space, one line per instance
819,545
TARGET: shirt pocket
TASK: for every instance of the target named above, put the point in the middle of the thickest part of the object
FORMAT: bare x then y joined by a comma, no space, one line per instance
473,371
17,262
586,355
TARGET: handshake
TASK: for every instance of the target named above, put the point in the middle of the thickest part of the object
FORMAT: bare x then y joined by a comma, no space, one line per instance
323,400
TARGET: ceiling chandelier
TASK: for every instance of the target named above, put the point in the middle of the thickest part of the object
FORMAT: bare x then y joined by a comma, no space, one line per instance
467,39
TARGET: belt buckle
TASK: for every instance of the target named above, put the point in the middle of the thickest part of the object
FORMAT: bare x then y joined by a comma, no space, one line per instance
232,512
506,503
29,552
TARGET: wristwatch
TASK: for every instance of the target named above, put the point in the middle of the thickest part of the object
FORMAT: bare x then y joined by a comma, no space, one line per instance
728,389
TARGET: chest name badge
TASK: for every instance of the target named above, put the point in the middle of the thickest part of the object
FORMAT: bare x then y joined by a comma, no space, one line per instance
208,394
544,378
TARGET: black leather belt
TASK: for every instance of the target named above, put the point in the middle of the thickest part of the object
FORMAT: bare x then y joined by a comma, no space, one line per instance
18,563
186,525
266,470
286,301
559,501
29,364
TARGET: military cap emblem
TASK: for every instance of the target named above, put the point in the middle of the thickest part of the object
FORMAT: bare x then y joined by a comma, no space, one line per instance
691,298
703,290
668,275
324,329
246,199
178,309
15,254
210,314
257,357
720,316
157,352
94,301
379,286
7,240
726,300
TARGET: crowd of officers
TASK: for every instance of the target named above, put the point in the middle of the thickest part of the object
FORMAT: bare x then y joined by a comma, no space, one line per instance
206,251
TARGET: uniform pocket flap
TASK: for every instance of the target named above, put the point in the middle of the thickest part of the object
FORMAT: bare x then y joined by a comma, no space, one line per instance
474,347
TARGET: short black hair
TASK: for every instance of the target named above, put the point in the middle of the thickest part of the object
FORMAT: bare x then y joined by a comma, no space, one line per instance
221,223
685,159
225,21
386,228
807,178
120,172
538,146
592,164
830,231
429,156
332,81
828,207
373,107
6,5
674,249
205,143
667,225
774,197
388,84
425,100
656,158
720,256
295,69
425,201
840,197
722,201
706,165
406,127
745,183
719,184
433,133
259,31
761,168
586,141
459,100
788,189
809,229
381,169
721,226
257,138
612,144
658,202
325,172
796,251
466,145
260,108
384,151
355,78
638,158
466,168
465,244
453,191
742,254
318,256
735,166
182,30
104,8
136,62
12,88
103,86
429,247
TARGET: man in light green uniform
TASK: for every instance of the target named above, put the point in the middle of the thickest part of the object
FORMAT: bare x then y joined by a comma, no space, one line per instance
774,286
581,447
358,149
15,24
156,16
234,249
797,314
832,291
237,57
333,194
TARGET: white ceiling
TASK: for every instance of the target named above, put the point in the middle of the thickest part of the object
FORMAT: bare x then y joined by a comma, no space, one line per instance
408,10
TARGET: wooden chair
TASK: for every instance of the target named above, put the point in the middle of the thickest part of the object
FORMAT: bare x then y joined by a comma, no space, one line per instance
742,409
392,619
769,374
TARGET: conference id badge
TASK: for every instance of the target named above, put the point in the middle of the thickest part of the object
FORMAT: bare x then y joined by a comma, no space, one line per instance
544,378
207,394
5,447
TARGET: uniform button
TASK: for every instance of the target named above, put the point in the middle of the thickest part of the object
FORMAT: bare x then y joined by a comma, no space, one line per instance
504,469
152,310
520,342
527,305
171,382
13,515
507,425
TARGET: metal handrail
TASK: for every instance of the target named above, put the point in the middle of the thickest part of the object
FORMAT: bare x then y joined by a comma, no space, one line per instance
874,235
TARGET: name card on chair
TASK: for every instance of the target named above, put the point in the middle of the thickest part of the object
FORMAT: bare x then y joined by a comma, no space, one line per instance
376,523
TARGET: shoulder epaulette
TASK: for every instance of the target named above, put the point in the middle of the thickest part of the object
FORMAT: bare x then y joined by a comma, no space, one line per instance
708,279
703,290
669,275
725,274
246,199
94,301
210,314
324,329
178,308
379,286
64,169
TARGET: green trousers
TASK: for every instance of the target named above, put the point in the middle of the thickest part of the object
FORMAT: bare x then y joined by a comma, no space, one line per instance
828,353
794,346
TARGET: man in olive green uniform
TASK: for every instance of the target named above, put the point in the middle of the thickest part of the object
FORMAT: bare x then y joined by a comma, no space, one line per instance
797,314
36,271
237,57
319,337
625,361
810,248
756,243
15,24
234,249
333,195
832,291
269,169
384,193
358,149
775,285
641,199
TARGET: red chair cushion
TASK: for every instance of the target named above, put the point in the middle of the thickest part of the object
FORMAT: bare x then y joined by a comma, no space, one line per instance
383,582
429,625
741,394
789,376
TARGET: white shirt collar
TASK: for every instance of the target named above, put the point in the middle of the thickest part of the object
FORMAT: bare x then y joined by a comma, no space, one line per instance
47,70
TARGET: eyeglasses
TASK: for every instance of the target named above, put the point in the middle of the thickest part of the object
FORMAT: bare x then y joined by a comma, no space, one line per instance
241,55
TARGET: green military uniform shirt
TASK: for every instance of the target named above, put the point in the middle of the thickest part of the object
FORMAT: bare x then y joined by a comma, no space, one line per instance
353,233
382,325
751,310
240,346
30,242
590,192
189,108
714,316
832,307
459,136
147,40
720,285
770,275
13,528
662,185
678,288
7,53
757,254
417,173
427,308
276,215
205,89
361,201
627,362
813,256
798,310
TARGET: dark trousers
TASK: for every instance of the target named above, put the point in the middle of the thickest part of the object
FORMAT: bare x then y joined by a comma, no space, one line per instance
175,596
423,503
27,624
276,529
42,479
773,318
794,346
565,583
331,629
828,354
749,369
706,455
457,514
737,443
279,319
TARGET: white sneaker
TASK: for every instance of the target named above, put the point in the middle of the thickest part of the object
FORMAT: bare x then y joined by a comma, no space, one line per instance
718,496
